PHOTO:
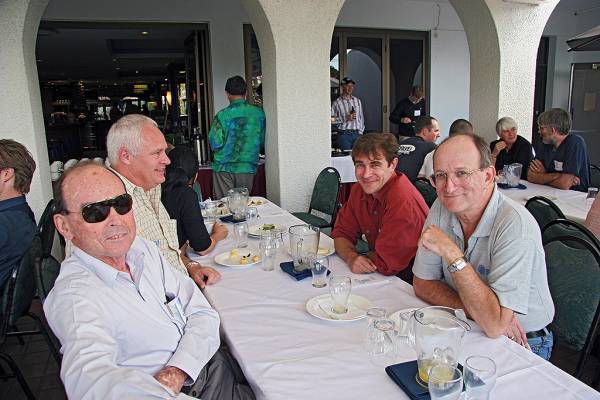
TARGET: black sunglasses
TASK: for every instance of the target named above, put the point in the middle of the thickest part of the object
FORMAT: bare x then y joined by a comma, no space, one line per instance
98,212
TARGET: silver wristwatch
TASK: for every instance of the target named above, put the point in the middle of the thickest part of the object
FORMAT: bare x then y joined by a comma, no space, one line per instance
457,265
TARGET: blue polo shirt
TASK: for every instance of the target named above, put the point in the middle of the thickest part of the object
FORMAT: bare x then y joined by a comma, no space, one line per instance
17,229
569,158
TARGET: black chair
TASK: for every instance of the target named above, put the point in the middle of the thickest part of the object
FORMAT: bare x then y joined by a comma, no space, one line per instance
47,270
594,176
46,229
573,266
426,189
566,227
324,199
543,210
17,296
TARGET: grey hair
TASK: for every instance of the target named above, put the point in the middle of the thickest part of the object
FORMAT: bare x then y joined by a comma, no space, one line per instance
505,124
483,148
556,118
126,133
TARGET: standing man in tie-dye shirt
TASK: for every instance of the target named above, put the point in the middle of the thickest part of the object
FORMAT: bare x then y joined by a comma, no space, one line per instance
236,136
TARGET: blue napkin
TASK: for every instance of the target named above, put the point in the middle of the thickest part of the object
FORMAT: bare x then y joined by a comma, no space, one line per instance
404,375
288,268
505,186
229,218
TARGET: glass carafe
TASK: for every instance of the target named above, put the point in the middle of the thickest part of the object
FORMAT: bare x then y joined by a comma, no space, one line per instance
237,201
436,334
304,242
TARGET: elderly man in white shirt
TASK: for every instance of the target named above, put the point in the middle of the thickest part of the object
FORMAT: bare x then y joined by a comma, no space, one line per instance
130,326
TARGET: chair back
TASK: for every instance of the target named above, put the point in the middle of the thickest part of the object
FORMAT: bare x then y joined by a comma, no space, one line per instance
566,227
594,176
573,266
427,190
46,229
326,192
543,210
19,291
47,271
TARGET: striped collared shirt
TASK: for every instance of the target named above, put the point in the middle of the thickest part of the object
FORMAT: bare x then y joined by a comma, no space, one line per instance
341,107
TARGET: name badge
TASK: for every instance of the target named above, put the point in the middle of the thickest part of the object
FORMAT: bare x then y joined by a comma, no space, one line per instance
558,166
417,113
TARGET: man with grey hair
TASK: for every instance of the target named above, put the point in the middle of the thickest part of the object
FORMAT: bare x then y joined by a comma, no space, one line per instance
136,151
510,148
482,252
561,160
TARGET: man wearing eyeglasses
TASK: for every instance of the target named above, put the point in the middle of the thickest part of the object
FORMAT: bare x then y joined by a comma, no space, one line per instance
482,252
136,151
130,327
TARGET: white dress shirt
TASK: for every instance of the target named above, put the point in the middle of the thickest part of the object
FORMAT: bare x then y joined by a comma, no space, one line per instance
342,106
117,332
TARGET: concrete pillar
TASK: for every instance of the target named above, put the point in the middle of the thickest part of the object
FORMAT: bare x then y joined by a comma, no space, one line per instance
295,39
503,37
20,104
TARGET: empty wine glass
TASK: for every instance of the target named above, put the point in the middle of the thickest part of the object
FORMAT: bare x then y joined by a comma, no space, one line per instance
480,377
445,382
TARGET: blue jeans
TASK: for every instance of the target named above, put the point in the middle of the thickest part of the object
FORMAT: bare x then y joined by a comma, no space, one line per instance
346,140
542,346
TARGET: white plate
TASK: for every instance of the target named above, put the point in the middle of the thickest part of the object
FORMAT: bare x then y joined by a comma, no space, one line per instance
256,201
224,259
395,316
257,230
320,307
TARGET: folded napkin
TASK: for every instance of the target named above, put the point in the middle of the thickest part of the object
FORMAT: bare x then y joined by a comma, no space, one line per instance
404,375
505,186
288,268
229,218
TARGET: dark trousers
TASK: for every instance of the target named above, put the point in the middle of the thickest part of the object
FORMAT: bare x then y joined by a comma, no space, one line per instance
221,379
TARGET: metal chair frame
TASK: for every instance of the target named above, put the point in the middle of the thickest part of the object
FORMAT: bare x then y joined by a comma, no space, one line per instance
546,201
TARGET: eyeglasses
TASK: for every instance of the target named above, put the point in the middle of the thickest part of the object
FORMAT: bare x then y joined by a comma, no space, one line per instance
98,212
458,177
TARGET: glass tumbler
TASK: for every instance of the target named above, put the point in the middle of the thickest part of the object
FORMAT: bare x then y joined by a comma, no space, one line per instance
373,314
480,377
268,251
319,265
383,344
240,234
445,382
340,288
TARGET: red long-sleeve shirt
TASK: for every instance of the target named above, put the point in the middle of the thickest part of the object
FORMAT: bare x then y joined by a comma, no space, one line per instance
392,222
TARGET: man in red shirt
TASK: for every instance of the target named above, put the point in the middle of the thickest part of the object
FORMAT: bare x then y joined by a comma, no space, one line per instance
385,207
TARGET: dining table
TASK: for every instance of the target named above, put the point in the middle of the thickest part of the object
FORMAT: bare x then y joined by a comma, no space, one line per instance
287,352
574,204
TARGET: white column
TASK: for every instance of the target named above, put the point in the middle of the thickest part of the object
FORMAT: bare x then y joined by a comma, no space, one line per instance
295,39
20,104
503,37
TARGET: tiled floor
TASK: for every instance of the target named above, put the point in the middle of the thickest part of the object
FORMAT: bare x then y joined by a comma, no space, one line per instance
42,372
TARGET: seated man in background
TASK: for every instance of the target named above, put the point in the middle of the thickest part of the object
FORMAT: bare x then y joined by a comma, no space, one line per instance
510,148
459,126
412,151
482,252
130,327
17,223
384,206
561,160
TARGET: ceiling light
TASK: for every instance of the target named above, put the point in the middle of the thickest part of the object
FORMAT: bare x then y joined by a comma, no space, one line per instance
118,68
137,72
145,33
182,72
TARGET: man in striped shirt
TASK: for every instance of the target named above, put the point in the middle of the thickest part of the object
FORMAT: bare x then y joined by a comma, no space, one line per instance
348,112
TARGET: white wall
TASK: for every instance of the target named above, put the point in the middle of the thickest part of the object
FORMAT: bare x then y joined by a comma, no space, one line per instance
449,91
225,19
561,26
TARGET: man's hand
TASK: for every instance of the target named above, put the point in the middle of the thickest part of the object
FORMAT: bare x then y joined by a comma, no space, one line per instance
405,120
219,232
362,265
199,273
351,117
516,333
501,145
171,377
537,166
434,239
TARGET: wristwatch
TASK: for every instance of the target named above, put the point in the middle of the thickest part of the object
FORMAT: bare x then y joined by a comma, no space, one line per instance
457,265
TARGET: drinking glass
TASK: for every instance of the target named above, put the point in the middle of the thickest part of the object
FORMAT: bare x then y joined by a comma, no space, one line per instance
268,251
445,382
210,209
318,267
251,215
240,234
480,377
373,314
383,344
339,288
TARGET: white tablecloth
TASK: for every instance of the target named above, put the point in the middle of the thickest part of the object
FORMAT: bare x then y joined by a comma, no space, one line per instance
345,167
573,204
288,354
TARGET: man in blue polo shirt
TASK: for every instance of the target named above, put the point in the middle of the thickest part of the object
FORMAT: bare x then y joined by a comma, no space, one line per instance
17,223
561,160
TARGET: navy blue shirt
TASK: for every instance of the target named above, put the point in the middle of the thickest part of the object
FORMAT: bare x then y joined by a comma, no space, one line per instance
570,158
17,229
411,154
